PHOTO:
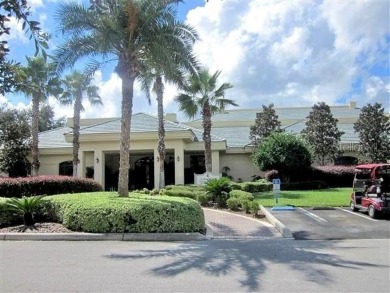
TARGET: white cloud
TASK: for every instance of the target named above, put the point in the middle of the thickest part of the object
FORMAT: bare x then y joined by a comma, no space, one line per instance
16,32
293,52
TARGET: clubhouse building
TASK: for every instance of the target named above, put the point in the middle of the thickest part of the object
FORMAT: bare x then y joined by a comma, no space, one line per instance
231,146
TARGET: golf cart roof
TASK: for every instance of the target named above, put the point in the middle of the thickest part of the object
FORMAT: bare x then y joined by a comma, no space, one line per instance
372,166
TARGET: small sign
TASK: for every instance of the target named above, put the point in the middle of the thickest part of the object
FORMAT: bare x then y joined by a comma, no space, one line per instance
201,179
276,184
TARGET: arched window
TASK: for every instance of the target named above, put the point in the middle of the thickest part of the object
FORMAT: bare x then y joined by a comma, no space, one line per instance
66,168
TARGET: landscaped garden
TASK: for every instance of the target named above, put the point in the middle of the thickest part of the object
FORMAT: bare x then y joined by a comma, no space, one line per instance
81,205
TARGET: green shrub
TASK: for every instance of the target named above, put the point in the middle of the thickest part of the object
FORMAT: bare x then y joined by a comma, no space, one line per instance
219,189
236,186
8,217
203,198
246,205
180,193
253,187
306,185
233,203
254,208
106,212
25,206
46,185
241,195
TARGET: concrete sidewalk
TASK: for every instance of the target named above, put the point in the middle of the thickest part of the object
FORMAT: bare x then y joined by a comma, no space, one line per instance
226,225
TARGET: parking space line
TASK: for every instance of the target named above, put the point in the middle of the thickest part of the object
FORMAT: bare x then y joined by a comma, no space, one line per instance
357,214
313,216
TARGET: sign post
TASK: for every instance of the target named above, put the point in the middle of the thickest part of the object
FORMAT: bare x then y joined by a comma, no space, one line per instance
276,189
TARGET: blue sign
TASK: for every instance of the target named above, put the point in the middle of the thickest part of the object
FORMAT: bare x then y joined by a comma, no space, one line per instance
276,184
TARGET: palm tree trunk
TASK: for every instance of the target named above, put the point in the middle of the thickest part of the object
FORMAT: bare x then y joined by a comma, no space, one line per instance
159,88
206,112
127,107
76,133
35,131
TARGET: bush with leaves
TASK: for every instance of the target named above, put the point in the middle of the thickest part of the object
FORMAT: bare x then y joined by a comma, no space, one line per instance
26,206
218,190
284,152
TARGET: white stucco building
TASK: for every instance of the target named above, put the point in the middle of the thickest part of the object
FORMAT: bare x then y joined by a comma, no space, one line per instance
231,147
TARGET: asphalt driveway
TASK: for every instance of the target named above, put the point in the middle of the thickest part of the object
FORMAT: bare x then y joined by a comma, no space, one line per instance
337,223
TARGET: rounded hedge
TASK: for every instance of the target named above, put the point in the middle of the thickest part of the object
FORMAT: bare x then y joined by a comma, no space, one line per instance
105,212
46,185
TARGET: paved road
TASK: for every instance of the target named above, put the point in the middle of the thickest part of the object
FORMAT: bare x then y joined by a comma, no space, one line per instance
339,223
277,265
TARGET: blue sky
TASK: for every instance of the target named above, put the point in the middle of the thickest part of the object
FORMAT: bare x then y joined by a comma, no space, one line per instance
290,53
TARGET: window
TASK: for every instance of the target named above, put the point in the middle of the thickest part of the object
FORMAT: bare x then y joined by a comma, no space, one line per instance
66,168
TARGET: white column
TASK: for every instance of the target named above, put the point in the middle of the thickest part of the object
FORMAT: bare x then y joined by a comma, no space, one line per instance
156,168
179,165
215,168
81,165
99,163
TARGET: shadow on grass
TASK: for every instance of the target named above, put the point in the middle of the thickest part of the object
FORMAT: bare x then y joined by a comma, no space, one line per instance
246,260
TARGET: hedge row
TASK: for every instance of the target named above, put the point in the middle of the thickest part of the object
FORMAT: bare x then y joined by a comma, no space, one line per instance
46,185
333,176
104,212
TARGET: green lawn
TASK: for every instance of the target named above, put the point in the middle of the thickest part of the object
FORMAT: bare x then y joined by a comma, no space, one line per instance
333,197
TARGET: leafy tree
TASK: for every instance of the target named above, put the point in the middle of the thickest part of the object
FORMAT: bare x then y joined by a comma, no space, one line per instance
322,133
131,32
47,119
283,152
10,69
15,142
266,122
373,127
77,88
202,94
39,81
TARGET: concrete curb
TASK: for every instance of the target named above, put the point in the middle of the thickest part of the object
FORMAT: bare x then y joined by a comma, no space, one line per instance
103,236
276,223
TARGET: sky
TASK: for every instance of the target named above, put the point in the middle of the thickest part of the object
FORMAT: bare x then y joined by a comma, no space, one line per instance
286,52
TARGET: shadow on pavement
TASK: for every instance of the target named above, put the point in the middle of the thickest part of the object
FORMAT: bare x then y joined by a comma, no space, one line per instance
250,257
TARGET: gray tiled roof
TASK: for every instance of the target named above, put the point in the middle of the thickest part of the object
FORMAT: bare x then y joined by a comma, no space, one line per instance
54,138
283,113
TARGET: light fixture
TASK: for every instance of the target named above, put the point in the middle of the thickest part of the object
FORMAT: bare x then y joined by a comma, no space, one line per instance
178,158
97,160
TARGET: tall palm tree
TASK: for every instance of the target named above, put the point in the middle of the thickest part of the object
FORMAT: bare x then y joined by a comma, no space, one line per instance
175,61
39,81
77,88
201,94
130,32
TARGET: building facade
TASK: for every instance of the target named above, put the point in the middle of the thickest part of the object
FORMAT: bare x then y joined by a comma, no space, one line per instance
231,146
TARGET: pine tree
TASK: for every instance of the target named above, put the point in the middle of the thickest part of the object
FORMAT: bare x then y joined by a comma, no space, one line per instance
373,127
266,122
322,133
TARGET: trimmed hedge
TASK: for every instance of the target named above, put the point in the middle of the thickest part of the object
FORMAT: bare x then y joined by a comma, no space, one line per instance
305,185
253,187
105,212
241,195
46,185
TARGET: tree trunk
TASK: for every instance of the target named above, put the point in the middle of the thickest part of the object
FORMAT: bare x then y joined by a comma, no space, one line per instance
206,112
28,219
35,131
76,132
127,73
159,88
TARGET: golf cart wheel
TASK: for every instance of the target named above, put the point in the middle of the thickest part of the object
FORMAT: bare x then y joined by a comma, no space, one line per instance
353,207
372,212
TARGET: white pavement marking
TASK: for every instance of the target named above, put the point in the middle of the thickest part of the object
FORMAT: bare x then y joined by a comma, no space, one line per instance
313,216
357,214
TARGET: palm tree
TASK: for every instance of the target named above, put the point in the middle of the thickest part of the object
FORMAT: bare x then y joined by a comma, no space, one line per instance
77,87
130,32
39,81
201,94
175,60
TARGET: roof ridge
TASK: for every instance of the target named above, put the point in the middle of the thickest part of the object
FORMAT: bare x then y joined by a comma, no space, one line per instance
53,129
